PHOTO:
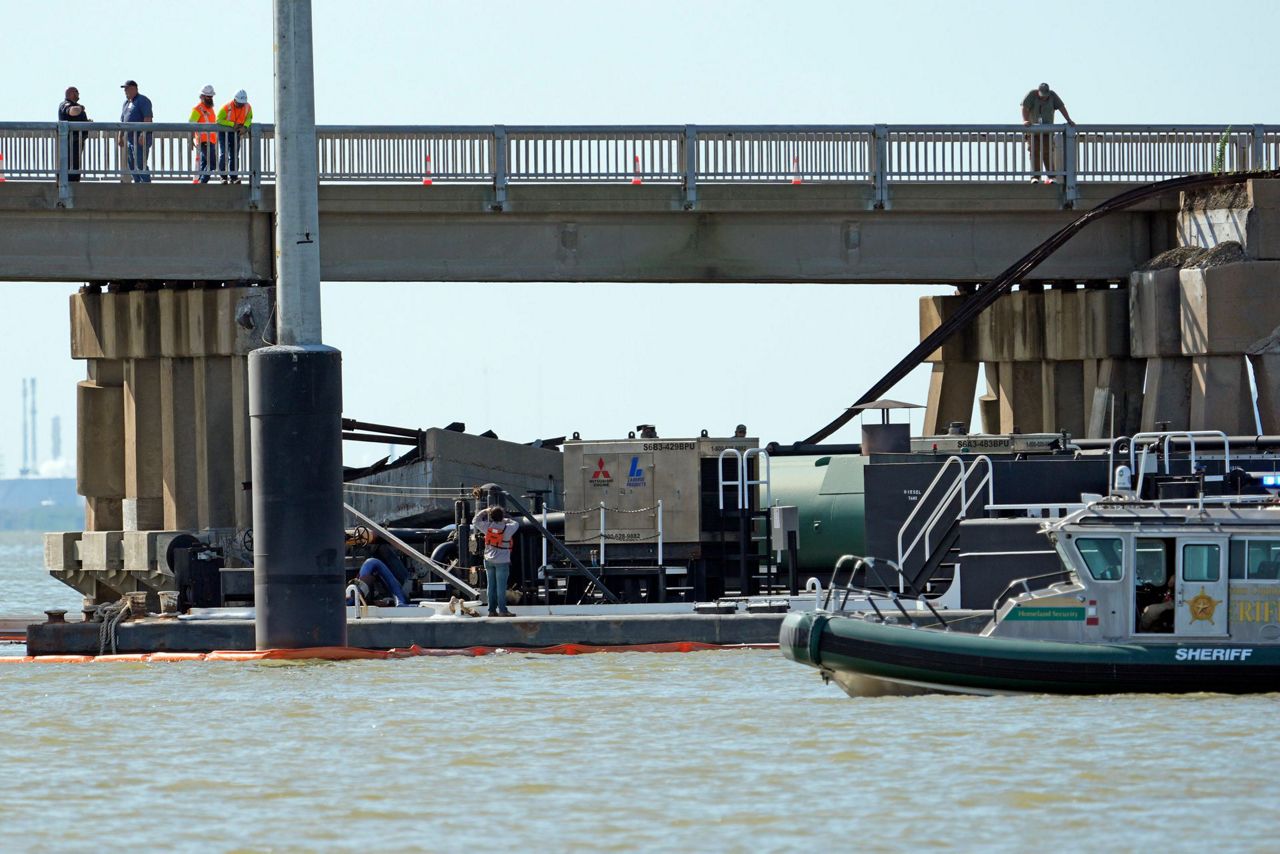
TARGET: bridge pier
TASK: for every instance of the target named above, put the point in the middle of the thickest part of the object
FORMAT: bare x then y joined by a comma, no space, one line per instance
162,427
1173,344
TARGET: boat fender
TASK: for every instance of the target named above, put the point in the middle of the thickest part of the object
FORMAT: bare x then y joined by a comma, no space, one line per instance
815,638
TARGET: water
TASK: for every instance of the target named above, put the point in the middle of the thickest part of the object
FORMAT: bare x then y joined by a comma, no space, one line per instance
25,588
705,751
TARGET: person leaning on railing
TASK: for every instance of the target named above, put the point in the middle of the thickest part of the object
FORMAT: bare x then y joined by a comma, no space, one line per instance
238,115
70,110
137,108
205,143
1038,109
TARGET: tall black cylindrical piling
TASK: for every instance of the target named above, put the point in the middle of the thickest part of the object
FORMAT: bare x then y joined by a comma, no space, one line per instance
295,411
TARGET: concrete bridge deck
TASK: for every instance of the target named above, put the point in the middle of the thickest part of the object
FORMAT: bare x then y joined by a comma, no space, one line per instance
661,203
943,232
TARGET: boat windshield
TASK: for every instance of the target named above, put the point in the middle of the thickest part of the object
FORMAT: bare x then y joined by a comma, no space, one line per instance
1104,557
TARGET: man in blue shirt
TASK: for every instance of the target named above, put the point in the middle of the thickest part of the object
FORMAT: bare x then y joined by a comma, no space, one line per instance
137,108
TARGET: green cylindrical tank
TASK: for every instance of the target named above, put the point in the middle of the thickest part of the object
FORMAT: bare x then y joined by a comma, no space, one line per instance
828,491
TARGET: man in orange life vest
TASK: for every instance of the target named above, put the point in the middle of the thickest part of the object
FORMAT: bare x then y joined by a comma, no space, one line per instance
498,532
236,114
206,143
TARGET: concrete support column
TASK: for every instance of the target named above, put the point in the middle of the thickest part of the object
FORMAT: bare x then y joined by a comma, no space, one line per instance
100,445
214,442
241,459
989,403
1220,395
1116,408
143,506
178,431
1021,398
1063,398
951,389
1266,376
1167,398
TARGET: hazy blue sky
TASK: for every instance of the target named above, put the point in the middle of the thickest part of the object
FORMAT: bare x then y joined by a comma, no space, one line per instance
807,350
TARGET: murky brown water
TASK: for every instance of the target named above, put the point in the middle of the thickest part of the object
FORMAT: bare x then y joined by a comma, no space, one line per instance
705,751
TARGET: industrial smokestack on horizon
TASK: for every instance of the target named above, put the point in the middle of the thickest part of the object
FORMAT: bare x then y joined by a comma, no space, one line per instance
22,470
35,457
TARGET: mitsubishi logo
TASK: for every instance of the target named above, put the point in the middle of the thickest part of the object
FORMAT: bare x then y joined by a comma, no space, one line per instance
601,473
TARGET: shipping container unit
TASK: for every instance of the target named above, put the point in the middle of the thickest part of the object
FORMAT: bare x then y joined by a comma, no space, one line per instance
670,519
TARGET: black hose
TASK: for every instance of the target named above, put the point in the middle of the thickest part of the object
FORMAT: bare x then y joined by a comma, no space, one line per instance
1001,284
445,552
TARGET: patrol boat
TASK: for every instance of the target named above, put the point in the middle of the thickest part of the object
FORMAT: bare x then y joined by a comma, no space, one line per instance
1166,595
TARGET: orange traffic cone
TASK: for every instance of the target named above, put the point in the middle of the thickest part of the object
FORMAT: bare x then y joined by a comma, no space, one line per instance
1,168
795,170
635,182
426,179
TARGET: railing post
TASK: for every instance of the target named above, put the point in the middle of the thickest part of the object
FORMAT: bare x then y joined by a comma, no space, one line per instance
880,167
499,167
660,564
255,166
690,167
544,537
64,161
1070,190
1259,153
602,534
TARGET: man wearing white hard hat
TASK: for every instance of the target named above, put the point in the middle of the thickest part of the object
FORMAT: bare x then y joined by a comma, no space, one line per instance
236,114
206,144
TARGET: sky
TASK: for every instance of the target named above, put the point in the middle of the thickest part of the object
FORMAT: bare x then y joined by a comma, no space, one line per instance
809,350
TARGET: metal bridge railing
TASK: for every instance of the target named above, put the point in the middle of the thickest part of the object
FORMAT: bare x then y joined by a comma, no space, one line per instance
685,155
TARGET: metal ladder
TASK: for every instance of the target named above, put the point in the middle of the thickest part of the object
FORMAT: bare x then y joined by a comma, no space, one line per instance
742,483
942,512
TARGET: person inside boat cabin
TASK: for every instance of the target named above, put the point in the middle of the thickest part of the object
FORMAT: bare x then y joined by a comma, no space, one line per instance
1156,581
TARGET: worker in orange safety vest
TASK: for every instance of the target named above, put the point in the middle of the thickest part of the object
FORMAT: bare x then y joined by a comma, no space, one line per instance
236,114
205,143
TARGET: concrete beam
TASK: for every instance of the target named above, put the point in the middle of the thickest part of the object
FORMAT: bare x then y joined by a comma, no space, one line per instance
566,232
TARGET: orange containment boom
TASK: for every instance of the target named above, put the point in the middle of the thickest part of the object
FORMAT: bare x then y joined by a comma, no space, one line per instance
351,653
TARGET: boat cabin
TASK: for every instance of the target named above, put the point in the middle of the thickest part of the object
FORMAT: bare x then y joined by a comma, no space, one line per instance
1153,571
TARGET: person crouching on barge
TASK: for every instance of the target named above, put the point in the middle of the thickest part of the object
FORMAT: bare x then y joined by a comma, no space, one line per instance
382,578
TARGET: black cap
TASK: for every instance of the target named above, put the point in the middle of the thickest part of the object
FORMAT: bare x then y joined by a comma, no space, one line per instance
1044,87
133,83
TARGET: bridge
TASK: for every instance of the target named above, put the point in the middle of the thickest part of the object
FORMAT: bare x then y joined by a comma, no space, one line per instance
837,204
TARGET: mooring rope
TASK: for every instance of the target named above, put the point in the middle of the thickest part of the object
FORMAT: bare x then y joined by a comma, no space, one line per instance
112,615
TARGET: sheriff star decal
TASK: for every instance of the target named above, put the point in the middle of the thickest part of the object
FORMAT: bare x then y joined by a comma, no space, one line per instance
1202,607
